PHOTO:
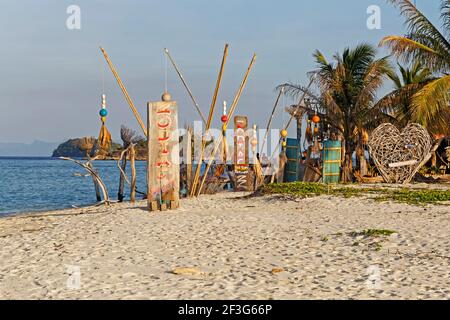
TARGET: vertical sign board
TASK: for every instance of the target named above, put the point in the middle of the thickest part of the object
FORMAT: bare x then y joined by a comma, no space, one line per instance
241,161
163,164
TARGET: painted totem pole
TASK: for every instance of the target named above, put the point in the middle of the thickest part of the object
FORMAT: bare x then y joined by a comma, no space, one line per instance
163,167
241,161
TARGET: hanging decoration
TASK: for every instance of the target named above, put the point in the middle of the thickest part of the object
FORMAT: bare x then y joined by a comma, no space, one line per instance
284,135
315,119
224,120
104,137
308,133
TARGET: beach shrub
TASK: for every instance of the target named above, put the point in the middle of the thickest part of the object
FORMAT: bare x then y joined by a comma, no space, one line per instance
405,195
373,233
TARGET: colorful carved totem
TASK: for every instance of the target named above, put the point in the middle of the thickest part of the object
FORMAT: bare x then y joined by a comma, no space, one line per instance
163,167
241,161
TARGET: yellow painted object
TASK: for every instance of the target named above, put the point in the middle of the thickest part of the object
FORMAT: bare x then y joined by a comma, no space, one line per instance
104,139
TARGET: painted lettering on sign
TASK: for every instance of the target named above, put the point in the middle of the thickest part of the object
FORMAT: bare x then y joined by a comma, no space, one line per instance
163,178
241,160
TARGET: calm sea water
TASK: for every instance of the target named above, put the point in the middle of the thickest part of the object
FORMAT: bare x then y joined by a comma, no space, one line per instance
39,184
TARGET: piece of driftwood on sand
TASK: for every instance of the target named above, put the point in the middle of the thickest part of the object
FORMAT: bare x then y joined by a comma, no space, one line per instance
131,152
94,175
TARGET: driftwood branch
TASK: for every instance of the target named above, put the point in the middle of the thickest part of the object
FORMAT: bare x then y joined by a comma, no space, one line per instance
123,174
88,167
122,154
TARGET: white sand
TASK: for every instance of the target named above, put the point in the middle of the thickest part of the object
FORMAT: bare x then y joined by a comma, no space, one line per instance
125,252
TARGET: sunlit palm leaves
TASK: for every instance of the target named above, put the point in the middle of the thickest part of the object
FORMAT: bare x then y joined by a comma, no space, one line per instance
425,43
407,83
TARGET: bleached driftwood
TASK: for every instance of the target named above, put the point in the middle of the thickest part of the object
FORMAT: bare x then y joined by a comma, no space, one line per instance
87,166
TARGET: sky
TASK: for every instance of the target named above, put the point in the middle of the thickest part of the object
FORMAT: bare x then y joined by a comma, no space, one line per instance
52,78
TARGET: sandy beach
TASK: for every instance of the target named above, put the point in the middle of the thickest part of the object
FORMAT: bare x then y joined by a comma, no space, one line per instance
235,247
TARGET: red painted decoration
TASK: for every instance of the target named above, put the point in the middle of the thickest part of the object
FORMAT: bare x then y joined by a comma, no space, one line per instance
224,118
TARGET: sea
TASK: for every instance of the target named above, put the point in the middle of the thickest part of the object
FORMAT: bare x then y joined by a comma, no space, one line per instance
41,184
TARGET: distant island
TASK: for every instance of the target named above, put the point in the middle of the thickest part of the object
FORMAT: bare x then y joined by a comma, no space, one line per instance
71,148
35,149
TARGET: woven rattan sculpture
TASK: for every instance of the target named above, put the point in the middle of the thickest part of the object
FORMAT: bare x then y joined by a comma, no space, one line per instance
399,155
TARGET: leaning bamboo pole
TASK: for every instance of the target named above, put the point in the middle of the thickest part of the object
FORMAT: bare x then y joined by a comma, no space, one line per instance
210,117
200,113
271,118
125,92
230,116
292,118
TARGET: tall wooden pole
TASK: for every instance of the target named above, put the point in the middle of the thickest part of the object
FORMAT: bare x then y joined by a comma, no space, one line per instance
149,189
208,123
230,116
271,118
125,92
292,117
200,113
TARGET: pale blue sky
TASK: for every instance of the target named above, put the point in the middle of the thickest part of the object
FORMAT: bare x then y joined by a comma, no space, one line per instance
51,77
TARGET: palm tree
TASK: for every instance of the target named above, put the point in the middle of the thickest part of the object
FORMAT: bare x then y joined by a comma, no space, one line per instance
348,88
425,43
407,82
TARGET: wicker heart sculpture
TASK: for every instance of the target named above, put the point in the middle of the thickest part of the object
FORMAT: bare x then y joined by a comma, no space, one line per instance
399,155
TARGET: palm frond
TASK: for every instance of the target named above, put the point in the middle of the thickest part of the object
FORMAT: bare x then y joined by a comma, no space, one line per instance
430,105
372,81
295,90
418,23
397,103
445,16
408,49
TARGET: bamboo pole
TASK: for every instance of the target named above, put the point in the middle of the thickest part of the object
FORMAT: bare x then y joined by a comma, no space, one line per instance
271,118
208,123
189,134
186,86
292,117
124,91
230,116
149,198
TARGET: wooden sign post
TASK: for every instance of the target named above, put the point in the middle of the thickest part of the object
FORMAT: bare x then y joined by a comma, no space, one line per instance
241,161
163,167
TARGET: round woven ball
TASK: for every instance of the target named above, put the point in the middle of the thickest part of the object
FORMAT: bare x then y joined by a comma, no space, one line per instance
166,97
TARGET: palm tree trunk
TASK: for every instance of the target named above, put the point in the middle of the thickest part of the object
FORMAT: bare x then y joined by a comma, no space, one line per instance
299,141
347,166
